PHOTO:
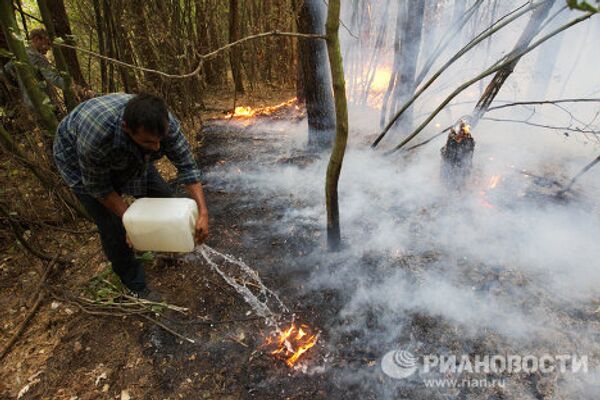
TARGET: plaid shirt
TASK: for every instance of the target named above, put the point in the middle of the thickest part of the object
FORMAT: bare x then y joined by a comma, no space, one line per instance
94,156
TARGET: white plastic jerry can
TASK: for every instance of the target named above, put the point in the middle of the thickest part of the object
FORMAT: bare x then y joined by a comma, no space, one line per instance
155,224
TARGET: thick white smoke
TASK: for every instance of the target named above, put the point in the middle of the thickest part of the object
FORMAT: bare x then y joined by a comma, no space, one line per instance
502,262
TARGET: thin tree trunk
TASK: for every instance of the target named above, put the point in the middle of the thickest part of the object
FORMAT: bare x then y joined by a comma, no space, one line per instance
59,58
341,112
101,46
141,42
109,43
546,60
235,54
531,30
396,67
62,29
411,48
23,19
126,52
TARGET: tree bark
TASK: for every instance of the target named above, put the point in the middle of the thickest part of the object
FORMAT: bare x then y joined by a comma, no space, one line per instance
62,29
341,112
41,103
59,58
317,80
142,43
235,54
101,46
493,88
410,49
125,52
546,60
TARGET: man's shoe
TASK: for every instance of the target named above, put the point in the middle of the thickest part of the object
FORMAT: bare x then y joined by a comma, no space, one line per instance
147,294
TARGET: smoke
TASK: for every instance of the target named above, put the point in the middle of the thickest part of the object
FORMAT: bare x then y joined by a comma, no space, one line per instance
503,264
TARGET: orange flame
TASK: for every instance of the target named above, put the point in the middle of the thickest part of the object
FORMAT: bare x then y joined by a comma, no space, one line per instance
245,112
291,343
494,180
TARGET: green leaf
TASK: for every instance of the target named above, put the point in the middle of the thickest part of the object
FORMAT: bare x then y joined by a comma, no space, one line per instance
156,309
104,293
583,5
146,257
5,53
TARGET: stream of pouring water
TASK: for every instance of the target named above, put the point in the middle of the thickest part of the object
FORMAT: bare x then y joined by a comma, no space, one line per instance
241,277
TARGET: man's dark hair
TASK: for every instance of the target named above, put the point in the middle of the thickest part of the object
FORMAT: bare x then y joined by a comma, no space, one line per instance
38,32
149,112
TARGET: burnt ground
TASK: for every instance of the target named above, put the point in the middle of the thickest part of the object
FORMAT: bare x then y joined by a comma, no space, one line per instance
68,354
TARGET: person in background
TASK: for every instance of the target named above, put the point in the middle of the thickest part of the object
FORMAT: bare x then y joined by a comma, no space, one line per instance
39,45
106,147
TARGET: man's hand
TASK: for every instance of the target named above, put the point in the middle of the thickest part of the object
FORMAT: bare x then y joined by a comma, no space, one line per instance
202,228
196,193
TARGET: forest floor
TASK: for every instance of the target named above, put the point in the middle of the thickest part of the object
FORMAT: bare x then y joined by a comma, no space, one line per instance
66,353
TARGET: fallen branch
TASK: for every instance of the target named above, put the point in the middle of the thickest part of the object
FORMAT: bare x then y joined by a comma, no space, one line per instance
203,57
19,236
39,293
583,171
138,308
166,328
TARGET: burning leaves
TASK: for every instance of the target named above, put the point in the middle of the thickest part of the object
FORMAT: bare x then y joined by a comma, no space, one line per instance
248,115
291,343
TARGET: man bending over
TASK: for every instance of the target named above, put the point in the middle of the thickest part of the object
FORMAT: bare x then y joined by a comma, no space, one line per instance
106,147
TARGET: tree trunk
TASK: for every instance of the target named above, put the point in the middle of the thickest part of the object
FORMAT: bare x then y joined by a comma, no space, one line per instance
59,58
396,67
141,42
531,30
235,54
317,80
410,48
101,46
62,29
546,59
109,43
125,52
41,103
204,42
3,46
341,113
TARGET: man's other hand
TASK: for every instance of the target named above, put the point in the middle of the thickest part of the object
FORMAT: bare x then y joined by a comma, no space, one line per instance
202,228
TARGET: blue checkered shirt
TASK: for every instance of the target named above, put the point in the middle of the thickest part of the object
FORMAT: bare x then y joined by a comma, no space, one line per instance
94,156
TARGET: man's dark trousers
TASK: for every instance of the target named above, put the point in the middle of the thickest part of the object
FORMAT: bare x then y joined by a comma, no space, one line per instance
113,236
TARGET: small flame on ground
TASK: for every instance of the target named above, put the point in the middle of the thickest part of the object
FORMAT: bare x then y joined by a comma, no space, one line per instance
484,202
492,184
291,343
494,180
